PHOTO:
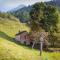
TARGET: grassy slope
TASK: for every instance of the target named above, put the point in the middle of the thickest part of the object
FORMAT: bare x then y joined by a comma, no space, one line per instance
11,26
9,50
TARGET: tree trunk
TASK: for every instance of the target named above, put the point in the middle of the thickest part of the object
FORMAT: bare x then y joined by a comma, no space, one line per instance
33,44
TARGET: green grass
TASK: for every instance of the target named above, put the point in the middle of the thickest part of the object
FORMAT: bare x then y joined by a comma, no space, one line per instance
12,25
10,50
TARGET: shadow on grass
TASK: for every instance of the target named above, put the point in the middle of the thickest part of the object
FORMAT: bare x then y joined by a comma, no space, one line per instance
11,39
5,36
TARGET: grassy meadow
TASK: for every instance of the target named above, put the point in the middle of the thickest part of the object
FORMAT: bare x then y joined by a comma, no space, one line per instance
10,50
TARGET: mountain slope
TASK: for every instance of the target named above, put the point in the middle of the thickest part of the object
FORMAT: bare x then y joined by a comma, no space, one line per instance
22,14
11,50
11,25
55,3
17,8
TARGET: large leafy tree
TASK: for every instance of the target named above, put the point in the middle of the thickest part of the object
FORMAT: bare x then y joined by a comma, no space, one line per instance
36,14
51,15
45,17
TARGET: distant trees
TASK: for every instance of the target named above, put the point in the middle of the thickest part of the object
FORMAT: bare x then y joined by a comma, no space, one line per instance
5,15
22,14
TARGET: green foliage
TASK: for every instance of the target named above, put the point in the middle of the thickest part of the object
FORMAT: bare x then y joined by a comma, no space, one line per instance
50,20
52,40
36,15
22,14
45,17
37,11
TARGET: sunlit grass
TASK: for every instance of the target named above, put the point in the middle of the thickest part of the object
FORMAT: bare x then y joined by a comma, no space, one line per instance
11,51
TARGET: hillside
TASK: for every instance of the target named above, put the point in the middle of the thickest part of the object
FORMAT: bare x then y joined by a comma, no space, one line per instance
11,25
23,13
23,16
55,3
11,50
17,8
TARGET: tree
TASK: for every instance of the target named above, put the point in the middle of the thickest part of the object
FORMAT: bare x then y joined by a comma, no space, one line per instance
49,23
52,39
36,14
44,17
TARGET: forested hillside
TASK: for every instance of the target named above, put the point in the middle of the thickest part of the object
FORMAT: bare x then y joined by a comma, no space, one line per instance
23,13
54,3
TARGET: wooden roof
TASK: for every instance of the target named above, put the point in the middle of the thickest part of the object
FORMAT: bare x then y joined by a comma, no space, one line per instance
21,32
